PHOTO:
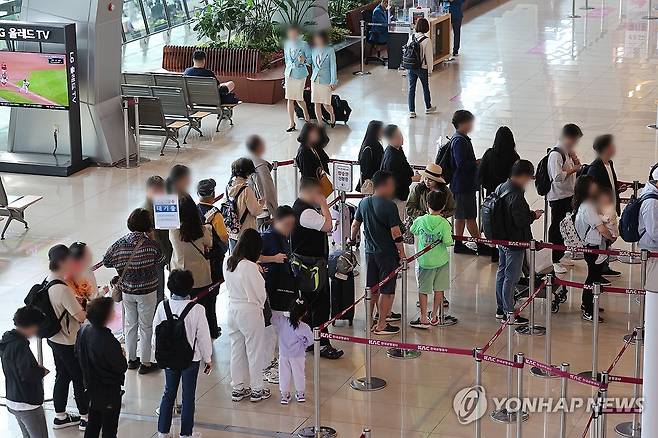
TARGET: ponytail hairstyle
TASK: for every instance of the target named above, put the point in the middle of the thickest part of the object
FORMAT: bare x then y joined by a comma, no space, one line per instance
249,246
297,312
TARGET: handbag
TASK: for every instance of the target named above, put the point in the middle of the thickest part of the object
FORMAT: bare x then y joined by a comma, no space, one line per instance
311,272
326,185
115,290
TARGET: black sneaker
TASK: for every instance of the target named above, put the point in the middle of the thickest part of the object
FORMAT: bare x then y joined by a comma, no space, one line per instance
143,369
134,364
394,317
418,324
446,303
388,330
240,394
589,317
329,352
611,273
519,320
70,420
83,425
500,314
484,250
261,394
460,248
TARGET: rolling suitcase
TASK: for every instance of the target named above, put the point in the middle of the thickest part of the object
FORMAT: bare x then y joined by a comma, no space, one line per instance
341,108
342,296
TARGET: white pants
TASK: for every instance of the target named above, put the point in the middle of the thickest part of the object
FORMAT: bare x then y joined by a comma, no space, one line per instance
247,334
292,367
272,340
139,312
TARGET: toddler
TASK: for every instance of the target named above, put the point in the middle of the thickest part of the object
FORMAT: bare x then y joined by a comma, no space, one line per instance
607,211
294,336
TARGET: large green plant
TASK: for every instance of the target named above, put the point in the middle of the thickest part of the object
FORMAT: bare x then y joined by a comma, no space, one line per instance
219,16
295,12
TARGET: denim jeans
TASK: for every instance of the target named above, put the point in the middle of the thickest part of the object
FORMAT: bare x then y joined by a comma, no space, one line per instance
510,262
139,312
172,379
414,75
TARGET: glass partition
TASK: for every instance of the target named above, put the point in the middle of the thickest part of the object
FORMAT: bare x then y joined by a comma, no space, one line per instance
132,20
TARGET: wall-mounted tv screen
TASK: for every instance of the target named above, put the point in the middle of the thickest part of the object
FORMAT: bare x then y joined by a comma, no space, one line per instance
33,80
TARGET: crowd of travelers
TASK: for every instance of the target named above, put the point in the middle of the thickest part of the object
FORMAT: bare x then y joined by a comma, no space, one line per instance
273,263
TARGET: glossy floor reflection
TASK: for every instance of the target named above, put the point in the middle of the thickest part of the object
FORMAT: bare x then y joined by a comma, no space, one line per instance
524,65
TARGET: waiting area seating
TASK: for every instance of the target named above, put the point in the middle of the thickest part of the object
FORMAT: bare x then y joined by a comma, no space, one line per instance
201,95
14,208
152,119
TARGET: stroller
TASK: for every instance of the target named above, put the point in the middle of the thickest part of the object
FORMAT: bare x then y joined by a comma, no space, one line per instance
543,267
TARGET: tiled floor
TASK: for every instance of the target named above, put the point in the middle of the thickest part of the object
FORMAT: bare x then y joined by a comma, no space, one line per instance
523,65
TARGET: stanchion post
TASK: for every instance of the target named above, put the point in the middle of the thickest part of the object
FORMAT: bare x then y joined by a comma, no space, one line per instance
563,400
479,194
595,334
317,430
343,206
531,328
137,137
40,351
573,10
631,259
362,71
294,165
503,415
548,346
603,396
366,432
587,7
477,354
368,383
644,258
546,208
595,425
275,174
126,131
650,15
520,415
400,353
633,429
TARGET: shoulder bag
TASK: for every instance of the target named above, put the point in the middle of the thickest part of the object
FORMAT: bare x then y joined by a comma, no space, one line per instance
115,283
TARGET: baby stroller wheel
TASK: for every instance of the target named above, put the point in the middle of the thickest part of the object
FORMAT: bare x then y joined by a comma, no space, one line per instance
555,306
563,294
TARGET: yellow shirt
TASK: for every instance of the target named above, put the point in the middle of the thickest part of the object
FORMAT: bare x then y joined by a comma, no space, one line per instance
217,223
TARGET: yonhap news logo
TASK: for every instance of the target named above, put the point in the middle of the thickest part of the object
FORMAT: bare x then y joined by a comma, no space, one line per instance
470,404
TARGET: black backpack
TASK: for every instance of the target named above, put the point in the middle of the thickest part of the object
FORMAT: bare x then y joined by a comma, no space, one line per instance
542,178
493,223
444,159
171,347
38,297
412,58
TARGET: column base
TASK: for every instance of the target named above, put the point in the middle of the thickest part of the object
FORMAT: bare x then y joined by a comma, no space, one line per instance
362,384
325,432
536,330
398,353
503,416
539,372
627,430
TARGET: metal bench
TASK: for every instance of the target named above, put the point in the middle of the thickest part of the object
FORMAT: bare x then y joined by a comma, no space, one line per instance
176,108
152,121
14,208
203,95
136,90
137,78
169,80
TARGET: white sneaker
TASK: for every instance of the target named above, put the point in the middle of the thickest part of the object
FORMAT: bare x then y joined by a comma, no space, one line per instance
559,269
412,114
430,110
472,245
194,435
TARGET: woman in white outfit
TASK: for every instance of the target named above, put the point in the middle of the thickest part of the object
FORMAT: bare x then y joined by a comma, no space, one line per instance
246,300
324,77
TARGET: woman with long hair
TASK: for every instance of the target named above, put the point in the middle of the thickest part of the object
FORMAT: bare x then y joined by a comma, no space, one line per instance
496,163
311,158
371,154
593,233
246,323
179,180
191,242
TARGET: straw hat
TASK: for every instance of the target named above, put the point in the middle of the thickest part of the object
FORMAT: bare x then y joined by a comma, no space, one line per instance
434,172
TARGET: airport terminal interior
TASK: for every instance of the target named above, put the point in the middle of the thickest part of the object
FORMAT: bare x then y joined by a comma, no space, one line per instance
524,64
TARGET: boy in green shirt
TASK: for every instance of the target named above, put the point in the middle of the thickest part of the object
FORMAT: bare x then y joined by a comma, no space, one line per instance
433,270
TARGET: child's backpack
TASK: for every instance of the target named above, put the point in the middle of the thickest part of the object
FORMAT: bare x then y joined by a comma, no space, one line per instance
542,178
172,350
570,235
493,223
630,218
229,209
38,297
412,58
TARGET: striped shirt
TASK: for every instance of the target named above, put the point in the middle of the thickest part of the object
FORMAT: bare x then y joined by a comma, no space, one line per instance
142,275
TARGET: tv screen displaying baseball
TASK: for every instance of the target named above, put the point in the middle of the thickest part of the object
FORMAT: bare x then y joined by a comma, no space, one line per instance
33,80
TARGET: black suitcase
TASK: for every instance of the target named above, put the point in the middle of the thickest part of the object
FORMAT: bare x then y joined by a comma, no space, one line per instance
341,108
342,296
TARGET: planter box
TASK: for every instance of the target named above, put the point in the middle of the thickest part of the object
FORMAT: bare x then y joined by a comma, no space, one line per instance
258,76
